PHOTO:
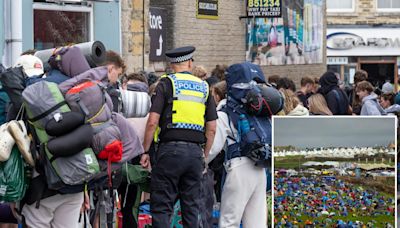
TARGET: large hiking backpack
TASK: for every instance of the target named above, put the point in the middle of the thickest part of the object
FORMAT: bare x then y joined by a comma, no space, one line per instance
248,106
43,102
92,99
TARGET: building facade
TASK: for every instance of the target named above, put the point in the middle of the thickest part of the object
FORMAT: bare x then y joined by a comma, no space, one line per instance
364,34
43,24
225,39
141,30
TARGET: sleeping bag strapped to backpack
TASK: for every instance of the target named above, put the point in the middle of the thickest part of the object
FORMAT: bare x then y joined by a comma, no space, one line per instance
250,104
91,99
69,60
136,101
44,102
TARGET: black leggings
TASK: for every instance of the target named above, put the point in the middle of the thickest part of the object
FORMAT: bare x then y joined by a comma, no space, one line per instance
128,221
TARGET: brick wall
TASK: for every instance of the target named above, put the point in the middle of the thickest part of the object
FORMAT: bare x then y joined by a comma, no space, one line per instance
222,41
132,34
365,14
219,41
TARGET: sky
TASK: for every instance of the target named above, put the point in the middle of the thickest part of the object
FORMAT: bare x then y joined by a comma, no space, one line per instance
314,132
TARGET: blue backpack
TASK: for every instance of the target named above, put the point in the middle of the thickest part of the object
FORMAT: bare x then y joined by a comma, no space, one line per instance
254,142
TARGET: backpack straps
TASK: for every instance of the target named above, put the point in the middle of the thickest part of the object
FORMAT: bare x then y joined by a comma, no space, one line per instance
44,114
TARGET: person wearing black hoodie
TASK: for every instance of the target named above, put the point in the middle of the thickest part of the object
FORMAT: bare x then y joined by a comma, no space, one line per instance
337,100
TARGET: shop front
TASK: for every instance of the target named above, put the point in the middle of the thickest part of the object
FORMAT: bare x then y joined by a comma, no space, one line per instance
375,50
43,24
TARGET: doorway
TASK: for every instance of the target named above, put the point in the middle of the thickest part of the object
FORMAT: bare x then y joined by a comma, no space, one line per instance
379,73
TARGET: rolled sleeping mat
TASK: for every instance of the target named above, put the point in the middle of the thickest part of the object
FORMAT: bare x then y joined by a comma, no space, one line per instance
94,52
64,123
135,104
72,143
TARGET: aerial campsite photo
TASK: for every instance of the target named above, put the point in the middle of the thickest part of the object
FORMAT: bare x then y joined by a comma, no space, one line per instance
334,172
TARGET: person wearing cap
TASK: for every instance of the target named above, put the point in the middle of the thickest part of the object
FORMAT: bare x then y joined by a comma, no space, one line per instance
387,88
184,112
31,65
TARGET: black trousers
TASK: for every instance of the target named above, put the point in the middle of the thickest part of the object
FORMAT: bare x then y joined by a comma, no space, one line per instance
128,220
177,173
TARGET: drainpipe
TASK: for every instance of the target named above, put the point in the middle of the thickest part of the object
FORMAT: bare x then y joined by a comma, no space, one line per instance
144,35
14,31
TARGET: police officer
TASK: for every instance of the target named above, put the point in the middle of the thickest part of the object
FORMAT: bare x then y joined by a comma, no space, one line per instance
184,111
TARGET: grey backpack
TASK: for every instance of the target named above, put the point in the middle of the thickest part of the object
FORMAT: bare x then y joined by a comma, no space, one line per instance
44,101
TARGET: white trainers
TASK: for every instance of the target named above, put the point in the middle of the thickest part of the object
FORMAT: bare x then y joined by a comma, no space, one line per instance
6,142
20,135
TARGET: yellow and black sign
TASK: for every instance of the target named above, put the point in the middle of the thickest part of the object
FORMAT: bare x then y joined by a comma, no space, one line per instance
264,8
207,9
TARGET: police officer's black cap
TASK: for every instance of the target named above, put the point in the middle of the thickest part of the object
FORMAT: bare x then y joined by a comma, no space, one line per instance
181,54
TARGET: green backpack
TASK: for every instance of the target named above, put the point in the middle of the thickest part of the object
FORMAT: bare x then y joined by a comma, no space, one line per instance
13,177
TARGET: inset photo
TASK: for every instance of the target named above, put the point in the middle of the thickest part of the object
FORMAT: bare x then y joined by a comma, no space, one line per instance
334,172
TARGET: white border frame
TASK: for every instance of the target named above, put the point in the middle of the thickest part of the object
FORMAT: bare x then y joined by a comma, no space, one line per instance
343,10
386,10
69,8
333,117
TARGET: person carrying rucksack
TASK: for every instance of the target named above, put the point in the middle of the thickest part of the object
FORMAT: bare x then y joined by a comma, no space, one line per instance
337,100
244,125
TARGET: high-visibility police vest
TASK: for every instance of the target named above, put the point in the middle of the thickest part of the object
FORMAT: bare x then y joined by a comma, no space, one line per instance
189,101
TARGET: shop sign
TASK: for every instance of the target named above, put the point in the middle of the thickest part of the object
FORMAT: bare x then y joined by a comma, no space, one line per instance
264,8
207,9
157,34
337,60
345,41
363,42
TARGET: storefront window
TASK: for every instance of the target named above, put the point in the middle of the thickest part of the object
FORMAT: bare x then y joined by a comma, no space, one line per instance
334,68
53,28
340,5
388,5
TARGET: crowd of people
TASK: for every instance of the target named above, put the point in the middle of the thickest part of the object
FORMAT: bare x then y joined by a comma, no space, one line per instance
327,95
185,123
329,202
174,128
